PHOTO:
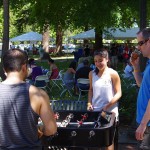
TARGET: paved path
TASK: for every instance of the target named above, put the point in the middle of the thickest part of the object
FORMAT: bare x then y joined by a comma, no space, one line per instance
127,147
126,138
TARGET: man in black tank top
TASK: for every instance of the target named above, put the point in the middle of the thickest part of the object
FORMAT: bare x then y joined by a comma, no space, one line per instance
21,106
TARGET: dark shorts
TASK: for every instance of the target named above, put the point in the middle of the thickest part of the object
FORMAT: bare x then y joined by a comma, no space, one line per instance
22,148
83,86
145,143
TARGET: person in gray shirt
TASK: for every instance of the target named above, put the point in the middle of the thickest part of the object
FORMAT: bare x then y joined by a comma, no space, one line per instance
21,106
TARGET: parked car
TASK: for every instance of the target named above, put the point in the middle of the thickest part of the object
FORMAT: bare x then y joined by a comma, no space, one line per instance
52,48
69,48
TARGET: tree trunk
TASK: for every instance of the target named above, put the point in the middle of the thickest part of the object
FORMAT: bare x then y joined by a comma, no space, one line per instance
85,41
59,36
45,38
98,39
5,45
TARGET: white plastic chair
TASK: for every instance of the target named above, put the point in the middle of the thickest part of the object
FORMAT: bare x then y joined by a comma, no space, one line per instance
83,85
41,82
55,82
49,74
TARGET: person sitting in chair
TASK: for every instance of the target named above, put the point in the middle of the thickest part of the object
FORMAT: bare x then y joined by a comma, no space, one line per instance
35,70
69,74
128,70
53,68
83,72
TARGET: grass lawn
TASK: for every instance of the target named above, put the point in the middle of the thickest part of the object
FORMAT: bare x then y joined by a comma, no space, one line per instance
62,63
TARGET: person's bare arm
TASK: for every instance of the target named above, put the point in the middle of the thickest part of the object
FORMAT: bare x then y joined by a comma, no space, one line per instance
40,104
117,89
51,67
90,93
72,70
142,127
137,72
47,116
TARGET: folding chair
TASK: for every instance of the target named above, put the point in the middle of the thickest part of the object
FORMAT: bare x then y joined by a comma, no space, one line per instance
41,82
67,87
49,74
83,85
55,82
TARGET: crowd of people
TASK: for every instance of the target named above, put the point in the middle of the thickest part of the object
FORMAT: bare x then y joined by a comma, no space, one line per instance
22,104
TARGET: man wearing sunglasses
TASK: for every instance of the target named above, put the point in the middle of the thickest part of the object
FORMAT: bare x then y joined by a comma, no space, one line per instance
143,81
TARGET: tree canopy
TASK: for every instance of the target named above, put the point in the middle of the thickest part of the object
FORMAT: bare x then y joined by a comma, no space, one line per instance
27,15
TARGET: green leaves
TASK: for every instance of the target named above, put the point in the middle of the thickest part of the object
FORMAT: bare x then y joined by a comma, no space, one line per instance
70,13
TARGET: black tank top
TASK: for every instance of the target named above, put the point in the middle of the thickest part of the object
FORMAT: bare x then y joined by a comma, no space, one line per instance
18,121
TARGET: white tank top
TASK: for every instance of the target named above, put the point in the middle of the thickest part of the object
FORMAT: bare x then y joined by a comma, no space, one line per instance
103,92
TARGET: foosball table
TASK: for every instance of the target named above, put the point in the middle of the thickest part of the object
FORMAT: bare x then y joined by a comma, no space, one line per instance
83,129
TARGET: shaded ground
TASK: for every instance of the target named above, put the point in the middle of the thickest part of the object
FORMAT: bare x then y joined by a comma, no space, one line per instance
127,147
126,138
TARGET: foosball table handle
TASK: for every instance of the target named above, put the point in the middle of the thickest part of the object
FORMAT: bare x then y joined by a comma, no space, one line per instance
91,133
73,133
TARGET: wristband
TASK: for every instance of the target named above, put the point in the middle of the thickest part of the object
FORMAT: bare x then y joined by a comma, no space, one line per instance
136,70
89,104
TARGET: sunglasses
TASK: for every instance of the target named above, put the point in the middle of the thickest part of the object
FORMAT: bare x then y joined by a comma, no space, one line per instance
142,42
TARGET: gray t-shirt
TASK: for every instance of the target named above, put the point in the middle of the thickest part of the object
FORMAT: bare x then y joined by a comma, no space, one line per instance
18,121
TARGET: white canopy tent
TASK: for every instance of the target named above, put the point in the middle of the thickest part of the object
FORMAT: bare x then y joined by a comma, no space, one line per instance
85,35
111,34
30,36
129,33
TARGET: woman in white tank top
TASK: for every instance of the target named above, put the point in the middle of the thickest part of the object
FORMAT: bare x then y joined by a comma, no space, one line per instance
105,87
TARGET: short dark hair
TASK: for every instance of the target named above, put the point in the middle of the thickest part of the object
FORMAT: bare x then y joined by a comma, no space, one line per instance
102,53
51,60
145,32
73,65
31,61
13,60
85,62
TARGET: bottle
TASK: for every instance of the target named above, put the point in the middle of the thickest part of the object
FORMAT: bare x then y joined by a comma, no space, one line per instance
135,54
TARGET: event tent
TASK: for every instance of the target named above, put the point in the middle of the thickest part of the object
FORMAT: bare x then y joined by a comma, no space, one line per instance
30,36
124,33
109,34
85,35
